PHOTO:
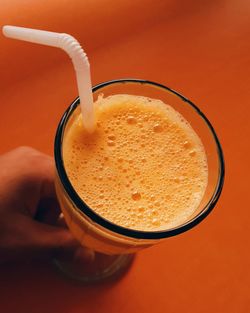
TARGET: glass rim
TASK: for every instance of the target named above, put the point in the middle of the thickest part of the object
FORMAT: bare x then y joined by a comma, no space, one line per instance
84,208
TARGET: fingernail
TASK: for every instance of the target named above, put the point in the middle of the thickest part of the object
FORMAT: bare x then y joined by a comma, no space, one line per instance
84,255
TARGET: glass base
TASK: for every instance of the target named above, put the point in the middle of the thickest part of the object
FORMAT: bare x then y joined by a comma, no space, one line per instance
103,267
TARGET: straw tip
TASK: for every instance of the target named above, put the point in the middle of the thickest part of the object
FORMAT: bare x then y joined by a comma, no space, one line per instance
5,29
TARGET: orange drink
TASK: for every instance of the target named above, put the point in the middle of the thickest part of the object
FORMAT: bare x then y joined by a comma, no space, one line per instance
152,168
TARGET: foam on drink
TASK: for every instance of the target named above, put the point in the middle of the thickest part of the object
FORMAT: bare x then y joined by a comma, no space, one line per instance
143,168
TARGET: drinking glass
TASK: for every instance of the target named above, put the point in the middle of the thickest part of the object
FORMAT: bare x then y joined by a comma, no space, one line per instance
115,245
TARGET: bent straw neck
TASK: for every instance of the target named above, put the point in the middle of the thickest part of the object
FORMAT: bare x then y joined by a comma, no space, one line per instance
79,59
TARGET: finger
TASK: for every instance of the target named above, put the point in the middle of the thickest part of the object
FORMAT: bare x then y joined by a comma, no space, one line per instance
46,173
52,240
58,242
26,238
83,254
48,208
23,238
61,221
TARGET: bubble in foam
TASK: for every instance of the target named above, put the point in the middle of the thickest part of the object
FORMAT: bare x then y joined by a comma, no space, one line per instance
141,209
186,144
136,196
192,153
155,222
111,137
131,120
158,128
157,203
111,143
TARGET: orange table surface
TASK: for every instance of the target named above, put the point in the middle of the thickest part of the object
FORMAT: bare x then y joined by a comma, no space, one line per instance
199,48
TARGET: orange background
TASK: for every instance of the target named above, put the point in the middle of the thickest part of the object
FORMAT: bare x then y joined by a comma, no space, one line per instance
201,49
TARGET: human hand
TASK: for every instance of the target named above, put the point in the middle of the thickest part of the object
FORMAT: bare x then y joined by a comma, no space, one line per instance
29,210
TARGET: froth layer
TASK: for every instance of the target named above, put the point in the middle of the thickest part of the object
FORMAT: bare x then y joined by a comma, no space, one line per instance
143,168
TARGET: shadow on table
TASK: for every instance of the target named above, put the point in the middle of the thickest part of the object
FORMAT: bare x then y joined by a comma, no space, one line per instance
39,287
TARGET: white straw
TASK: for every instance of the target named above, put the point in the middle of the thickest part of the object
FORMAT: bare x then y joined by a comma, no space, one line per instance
79,58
